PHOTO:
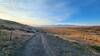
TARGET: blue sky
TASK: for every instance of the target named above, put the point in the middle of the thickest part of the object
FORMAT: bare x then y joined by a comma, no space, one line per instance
43,12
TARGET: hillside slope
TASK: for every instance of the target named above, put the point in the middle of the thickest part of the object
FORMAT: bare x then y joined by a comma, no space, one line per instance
11,25
12,36
22,40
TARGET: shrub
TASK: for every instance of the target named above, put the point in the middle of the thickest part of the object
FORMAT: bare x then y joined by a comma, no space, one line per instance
97,48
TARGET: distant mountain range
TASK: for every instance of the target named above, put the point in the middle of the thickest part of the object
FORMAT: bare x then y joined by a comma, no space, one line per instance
57,26
66,26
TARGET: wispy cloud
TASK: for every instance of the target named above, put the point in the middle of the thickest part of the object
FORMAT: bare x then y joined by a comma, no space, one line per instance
37,9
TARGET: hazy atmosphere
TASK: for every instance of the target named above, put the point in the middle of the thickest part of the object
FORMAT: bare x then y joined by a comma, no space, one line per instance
44,12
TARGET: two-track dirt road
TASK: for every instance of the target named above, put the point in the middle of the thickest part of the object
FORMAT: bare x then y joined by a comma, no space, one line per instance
42,44
38,46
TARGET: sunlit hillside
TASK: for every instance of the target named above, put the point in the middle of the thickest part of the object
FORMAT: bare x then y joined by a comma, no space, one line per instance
89,34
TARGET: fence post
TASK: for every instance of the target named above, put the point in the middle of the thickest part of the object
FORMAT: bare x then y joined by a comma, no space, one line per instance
11,35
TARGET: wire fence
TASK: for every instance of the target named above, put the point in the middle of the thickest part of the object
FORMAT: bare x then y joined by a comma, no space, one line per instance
12,40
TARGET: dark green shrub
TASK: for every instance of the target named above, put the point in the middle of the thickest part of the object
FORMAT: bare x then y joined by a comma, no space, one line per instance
97,48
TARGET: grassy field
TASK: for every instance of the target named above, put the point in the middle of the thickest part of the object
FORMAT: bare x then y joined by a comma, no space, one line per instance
84,35
87,34
12,36
10,41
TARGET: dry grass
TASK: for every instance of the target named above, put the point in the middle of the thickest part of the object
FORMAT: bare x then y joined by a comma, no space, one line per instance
88,35
9,43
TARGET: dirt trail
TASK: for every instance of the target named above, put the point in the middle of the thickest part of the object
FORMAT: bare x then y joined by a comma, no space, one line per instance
38,46
48,50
